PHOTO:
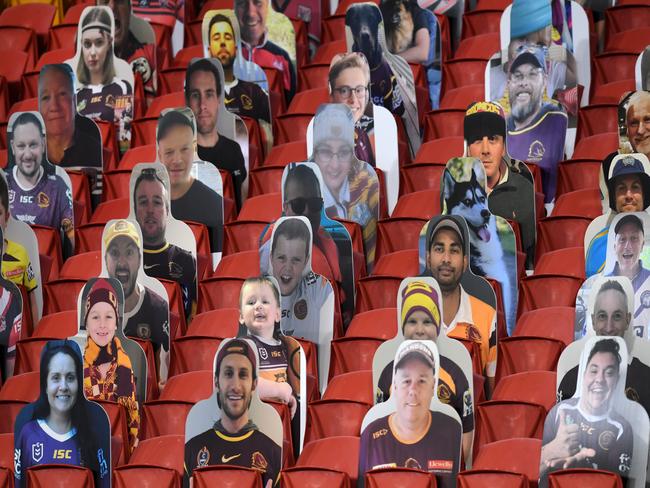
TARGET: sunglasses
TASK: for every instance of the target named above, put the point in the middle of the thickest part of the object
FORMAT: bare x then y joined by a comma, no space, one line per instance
298,205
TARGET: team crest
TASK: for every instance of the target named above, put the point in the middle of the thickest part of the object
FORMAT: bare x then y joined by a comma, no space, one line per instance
605,440
42,200
203,457
632,394
258,461
12,196
536,151
37,452
444,393
144,331
264,355
473,334
175,270
300,309
413,464
246,102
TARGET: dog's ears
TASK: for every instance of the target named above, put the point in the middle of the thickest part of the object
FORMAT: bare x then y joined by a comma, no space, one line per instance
448,185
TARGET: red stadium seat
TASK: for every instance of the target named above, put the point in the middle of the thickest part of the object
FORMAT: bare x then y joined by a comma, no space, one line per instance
444,123
498,455
60,325
578,203
487,478
555,233
421,176
539,291
113,209
612,92
480,22
143,131
116,184
336,453
146,476
194,353
162,102
332,27
497,420
185,55
85,265
328,50
135,155
353,386
12,66
550,322
377,292
37,16
422,204
397,235
171,80
400,477
60,295
283,154
265,179
28,351
264,207
313,477
219,293
459,98
481,46
400,263
226,477
596,147
239,265
353,354
610,67
624,18
632,40
596,119
569,261
21,387
594,478
519,354
59,476
164,451
220,323
312,76
578,174
49,244
530,386
62,35
20,38
327,418
88,237
460,72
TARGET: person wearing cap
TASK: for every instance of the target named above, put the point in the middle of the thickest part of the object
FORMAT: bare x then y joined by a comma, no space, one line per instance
234,439
510,195
146,314
100,88
586,431
351,186
414,436
465,317
191,199
141,57
242,97
628,188
161,259
108,374
420,318
257,47
611,318
536,129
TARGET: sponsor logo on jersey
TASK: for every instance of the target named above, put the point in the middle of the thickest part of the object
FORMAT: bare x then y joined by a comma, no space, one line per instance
37,452
226,459
203,457
440,465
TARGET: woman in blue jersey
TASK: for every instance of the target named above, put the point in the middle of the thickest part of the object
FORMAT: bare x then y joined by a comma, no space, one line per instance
62,427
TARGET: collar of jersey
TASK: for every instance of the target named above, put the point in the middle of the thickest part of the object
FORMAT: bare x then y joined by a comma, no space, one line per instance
231,438
156,251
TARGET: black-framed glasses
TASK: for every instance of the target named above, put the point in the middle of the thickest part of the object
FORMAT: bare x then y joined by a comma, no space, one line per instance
298,205
326,155
346,91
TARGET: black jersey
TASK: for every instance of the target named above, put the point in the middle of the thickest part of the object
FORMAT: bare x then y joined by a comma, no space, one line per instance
149,320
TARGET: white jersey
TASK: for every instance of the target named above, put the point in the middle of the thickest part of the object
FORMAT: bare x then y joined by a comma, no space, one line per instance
301,310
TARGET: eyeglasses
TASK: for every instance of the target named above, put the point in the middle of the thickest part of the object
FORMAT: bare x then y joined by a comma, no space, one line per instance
532,75
346,91
326,155
300,204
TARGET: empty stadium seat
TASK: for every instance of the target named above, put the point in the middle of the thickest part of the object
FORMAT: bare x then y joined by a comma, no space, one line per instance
226,477
193,353
488,478
550,322
444,123
397,234
353,354
578,174
539,291
578,203
597,119
481,46
219,293
354,386
399,263
377,292
145,476
221,323
327,418
420,176
399,478
59,476
313,477
499,455
336,453
594,478
165,451
555,233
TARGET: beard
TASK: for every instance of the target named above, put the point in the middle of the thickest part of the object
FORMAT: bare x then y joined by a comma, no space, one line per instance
522,111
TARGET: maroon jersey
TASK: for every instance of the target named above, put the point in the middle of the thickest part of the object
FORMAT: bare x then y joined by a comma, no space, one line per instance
437,451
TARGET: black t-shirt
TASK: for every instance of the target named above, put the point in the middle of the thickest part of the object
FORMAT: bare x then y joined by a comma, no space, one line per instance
420,21
637,384
249,449
203,205
226,154
150,321
170,262
86,149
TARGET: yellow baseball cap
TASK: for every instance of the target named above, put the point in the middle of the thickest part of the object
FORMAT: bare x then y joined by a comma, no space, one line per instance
121,228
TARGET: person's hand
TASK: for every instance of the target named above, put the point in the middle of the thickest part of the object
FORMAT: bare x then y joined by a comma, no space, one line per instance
565,450
293,405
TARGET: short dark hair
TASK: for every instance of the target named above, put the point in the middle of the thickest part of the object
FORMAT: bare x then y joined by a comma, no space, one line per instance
172,119
203,64
304,176
292,228
606,345
28,118
148,174
611,285
219,18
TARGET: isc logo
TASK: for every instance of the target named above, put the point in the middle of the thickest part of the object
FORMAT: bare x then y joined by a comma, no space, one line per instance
26,199
62,454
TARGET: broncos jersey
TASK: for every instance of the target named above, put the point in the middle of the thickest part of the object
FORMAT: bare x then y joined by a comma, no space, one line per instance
98,102
273,360
253,449
437,451
49,203
248,99
301,309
